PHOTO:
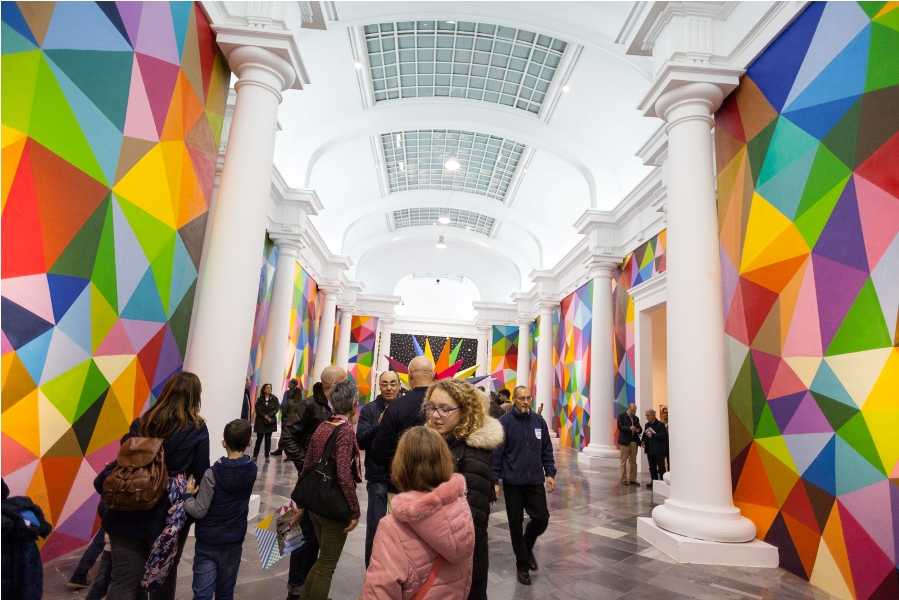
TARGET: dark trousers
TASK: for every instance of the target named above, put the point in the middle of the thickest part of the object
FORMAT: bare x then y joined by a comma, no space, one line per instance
532,500
656,465
377,508
215,571
331,538
129,557
100,586
268,443
302,559
480,565
91,553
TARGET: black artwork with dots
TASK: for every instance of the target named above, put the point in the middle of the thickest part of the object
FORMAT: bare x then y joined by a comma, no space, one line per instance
402,348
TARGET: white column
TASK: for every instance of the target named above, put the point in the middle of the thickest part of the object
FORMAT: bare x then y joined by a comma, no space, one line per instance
275,348
383,346
602,369
222,328
545,359
523,369
324,345
343,337
483,349
701,502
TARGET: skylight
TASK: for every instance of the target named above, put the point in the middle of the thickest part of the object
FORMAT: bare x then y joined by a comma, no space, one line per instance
416,160
478,61
429,215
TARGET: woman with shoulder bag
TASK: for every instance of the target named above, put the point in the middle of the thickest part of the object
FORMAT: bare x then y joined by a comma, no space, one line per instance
327,488
458,411
135,534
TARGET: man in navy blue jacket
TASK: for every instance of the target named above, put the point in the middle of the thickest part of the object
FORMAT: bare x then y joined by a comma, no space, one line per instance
524,463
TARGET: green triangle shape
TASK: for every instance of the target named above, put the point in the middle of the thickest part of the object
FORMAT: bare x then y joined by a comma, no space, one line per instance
835,411
103,275
78,257
180,321
648,257
842,140
94,385
856,433
882,53
13,42
54,125
162,270
454,351
64,391
19,73
103,317
758,148
767,426
863,328
759,401
890,19
152,234
740,398
871,8
812,222
104,77
787,142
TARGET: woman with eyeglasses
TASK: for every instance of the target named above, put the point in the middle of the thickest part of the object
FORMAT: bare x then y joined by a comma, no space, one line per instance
458,412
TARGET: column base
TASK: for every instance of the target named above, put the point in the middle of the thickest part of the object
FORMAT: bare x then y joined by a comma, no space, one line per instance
755,553
596,455
660,489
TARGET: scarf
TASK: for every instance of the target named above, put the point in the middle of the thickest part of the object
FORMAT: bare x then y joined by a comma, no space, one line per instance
165,548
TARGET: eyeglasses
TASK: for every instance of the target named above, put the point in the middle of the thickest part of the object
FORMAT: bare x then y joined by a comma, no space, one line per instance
443,411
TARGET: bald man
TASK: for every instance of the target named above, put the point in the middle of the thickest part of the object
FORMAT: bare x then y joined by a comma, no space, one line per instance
403,413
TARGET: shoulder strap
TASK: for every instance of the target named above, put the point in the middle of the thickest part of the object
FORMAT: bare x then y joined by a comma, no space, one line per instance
328,452
429,582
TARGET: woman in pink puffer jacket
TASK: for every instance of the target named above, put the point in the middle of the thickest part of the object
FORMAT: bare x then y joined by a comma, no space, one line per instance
423,548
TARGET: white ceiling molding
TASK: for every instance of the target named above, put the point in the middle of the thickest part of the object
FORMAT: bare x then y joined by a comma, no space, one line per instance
495,313
377,305
560,81
435,327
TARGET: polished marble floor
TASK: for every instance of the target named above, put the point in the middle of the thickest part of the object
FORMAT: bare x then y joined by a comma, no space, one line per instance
590,551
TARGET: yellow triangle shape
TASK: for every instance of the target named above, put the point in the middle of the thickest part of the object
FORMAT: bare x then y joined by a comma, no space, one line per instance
826,574
770,237
147,187
21,422
53,424
858,371
112,366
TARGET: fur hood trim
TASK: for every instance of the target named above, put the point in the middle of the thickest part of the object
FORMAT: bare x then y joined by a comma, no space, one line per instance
487,437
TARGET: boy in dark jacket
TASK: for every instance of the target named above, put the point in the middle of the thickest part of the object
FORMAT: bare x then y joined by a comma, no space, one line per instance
23,524
524,463
221,506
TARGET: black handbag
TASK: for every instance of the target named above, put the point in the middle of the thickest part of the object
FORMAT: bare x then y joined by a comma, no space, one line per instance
318,490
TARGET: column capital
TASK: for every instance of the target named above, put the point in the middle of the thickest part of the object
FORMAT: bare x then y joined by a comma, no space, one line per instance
289,243
547,304
331,289
348,309
678,84
602,266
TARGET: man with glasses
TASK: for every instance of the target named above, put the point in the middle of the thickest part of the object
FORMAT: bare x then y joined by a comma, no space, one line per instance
403,413
524,464
378,477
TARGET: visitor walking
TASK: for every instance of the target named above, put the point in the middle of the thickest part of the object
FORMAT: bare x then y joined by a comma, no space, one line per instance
290,404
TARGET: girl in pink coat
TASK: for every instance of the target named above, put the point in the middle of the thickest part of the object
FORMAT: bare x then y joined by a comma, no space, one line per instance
423,548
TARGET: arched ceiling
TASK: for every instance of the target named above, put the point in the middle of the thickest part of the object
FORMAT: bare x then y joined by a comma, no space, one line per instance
552,131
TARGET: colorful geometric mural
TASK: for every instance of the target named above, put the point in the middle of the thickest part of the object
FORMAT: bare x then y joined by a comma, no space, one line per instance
808,186
363,332
504,356
641,265
533,332
453,359
571,406
263,304
111,121
305,315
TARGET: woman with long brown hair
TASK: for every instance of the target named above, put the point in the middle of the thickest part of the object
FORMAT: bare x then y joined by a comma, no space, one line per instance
174,418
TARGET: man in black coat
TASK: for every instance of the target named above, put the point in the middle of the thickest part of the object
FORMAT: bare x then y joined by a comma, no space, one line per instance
402,414
655,443
524,463
628,439
378,476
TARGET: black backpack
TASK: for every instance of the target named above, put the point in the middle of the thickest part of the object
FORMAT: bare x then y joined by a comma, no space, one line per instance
318,489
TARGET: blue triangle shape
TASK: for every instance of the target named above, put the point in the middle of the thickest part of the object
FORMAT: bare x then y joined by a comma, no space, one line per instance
784,189
20,324
64,289
12,16
826,383
855,472
180,21
76,323
844,77
145,304
819,119
12,41
82,26
821,471
774,71
34,354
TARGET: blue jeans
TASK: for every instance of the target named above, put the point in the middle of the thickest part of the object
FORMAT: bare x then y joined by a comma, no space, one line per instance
91,553
377,508
302,559
215,571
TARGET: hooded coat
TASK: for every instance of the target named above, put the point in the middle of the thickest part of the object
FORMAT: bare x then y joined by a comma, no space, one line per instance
422,528
473,457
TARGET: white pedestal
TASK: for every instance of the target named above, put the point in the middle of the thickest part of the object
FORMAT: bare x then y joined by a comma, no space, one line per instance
255,503
689,550
599,456
660,489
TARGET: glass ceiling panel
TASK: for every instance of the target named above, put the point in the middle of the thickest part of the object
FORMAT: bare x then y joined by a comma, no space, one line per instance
430,215
461,59
415,161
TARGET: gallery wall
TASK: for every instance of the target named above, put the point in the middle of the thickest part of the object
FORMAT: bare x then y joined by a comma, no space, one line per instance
571,397
363,332
504,356
808,186
112,114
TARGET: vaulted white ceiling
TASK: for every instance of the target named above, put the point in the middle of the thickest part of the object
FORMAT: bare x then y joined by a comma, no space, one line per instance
534,153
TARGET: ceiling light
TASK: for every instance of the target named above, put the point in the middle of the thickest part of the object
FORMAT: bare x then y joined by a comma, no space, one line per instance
441,242
444,219
402,166
452,164
357,64
566,88
451,22
399,140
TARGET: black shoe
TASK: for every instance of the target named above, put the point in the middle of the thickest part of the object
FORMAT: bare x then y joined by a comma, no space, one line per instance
293,597
532,561
524,578
78,583
277,453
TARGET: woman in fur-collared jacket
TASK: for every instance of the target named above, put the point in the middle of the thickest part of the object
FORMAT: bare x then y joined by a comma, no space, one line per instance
458,411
